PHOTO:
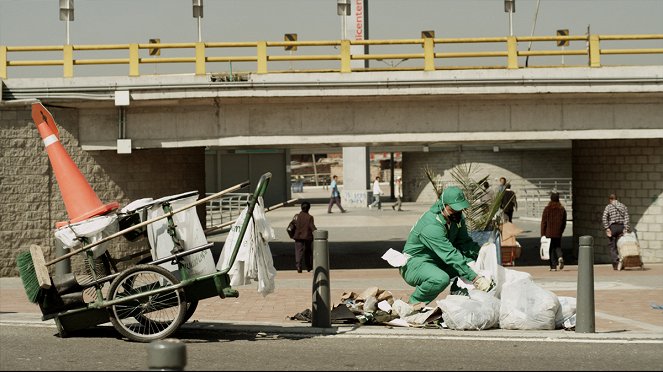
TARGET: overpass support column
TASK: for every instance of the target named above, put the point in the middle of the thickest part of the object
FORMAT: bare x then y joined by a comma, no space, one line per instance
356,174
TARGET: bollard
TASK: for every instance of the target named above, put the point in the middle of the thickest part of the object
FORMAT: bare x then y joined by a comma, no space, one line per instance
321,313
585,291
166,355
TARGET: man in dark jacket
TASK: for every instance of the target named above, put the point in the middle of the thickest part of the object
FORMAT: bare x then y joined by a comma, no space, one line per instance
304,238
553,223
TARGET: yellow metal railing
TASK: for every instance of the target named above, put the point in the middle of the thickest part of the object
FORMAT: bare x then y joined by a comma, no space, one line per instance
432,51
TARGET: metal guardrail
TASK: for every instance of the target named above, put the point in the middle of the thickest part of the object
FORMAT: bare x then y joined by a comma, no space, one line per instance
533,195
226,208
337,51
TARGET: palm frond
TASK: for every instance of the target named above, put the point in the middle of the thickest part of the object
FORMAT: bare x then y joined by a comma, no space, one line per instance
431,177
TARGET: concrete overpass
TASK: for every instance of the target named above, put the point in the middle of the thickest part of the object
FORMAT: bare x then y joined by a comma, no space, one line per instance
601,126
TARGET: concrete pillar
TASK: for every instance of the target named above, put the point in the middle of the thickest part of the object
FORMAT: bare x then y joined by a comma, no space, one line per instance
356,174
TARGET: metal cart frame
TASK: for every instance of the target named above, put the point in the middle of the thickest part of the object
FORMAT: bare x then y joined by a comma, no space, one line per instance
146,302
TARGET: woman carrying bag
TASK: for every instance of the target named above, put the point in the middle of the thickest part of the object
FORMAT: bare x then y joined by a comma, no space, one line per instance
553,222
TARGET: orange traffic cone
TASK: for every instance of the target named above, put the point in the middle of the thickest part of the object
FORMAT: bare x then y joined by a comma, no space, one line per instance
79,198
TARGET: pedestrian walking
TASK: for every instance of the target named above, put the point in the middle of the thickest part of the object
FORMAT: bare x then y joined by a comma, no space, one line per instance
615,222
509,202
335,197
304,238
398,191
377,191
439,248
553,223
502,186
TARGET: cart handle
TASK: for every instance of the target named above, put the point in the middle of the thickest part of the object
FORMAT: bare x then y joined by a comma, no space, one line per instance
260,191
145,223
218,227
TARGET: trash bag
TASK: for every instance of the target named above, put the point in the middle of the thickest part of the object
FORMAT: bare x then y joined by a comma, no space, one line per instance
567,310
526,305
479,311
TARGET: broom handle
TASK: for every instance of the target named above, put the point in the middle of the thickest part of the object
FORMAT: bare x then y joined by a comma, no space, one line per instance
119,233
228,223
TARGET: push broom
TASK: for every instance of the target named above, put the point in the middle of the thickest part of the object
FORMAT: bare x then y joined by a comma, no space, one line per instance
33,272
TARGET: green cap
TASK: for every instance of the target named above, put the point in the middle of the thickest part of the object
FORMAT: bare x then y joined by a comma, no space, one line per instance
454,197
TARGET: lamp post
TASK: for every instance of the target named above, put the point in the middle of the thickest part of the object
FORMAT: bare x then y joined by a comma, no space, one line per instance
198,13
67,13
510,7
343,10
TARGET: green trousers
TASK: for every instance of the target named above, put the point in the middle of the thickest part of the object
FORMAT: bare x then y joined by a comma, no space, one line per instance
428,277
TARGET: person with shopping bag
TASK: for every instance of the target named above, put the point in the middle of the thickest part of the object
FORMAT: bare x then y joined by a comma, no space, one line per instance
553,223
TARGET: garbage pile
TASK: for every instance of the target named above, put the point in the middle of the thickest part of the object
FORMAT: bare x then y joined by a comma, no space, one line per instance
516,302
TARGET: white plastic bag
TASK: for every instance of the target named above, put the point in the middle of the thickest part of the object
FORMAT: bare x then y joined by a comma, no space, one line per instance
485,265
525,305
567,310
544,251
254,258
189,230
479,311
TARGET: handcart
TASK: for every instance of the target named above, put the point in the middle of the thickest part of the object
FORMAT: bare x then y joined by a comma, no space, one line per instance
628,248
147,301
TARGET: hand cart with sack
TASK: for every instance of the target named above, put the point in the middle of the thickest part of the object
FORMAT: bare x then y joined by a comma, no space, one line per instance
148,300
628,248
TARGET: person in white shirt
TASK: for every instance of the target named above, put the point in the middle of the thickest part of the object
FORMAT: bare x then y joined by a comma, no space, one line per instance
377,191
399,194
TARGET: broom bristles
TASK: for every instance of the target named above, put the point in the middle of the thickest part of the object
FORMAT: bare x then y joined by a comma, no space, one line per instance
33,272
26,270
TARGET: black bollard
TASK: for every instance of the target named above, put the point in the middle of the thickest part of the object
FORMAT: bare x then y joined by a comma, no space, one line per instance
585,290
166,355
321,313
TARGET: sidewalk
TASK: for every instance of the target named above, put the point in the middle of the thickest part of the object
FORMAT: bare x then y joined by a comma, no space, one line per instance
623,300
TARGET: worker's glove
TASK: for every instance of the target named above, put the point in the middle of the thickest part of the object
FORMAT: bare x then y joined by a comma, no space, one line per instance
483,284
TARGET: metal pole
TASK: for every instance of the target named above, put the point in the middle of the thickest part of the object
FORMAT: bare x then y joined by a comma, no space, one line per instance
315,170
166,355
343,31
585,291
510,23
321,314
64,266
200,30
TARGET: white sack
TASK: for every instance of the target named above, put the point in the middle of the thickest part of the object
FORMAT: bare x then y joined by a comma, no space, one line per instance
525,305
567,310
189,230
254,258
478,311
94,229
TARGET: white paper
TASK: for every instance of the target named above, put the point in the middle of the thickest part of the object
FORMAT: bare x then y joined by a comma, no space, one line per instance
395,258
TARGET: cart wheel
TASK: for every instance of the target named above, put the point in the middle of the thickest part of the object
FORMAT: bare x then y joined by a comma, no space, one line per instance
151,317
190,305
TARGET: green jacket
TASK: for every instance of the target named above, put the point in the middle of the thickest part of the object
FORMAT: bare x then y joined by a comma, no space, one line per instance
433,240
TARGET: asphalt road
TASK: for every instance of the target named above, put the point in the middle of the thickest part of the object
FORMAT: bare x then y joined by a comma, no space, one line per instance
96,349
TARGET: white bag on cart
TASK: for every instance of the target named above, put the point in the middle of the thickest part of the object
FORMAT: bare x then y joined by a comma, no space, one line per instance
94,229
189,230
254,258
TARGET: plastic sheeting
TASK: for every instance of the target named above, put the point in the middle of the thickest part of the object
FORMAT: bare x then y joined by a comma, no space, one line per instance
188,229
254,258
93,229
